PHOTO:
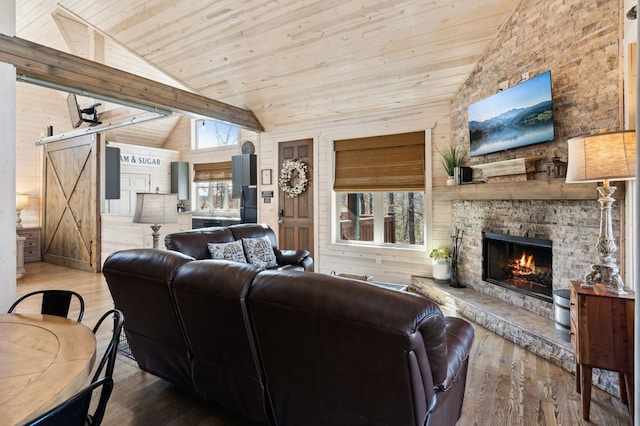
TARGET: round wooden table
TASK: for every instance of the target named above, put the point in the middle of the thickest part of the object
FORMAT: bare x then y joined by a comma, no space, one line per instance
44,360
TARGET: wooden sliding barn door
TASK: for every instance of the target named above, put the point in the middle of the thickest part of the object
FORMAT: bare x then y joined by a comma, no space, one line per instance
296,214
71,213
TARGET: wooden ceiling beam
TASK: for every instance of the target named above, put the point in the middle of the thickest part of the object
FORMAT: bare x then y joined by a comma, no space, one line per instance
62,69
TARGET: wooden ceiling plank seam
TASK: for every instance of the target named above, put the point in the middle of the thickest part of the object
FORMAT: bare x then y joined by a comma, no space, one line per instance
461,43
408,35
175,82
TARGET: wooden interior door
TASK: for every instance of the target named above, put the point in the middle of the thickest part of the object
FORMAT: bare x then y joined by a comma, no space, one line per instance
71,216
296,214
130,185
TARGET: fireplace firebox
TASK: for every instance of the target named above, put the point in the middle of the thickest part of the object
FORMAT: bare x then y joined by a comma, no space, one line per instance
521,264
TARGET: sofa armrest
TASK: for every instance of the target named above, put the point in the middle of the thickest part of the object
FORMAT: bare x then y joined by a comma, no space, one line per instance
460,335
295,257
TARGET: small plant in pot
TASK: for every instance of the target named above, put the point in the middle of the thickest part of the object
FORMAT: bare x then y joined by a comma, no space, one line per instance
441,262
452,157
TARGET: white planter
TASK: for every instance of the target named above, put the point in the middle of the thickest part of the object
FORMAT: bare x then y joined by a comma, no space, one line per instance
441,270
451,181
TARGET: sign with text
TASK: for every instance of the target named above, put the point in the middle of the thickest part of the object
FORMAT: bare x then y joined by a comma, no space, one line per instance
139,160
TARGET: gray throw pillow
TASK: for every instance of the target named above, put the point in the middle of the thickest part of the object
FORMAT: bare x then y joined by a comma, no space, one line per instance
259,252
228,251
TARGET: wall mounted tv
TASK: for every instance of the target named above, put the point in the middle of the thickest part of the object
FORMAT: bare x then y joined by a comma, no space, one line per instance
518,116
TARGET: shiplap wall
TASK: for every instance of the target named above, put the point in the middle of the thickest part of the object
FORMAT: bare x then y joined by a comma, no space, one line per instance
397,265
36,109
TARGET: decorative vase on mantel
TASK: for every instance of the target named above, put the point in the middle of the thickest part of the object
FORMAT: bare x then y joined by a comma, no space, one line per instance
451,181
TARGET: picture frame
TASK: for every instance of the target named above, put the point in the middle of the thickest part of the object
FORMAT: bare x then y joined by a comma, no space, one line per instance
266,176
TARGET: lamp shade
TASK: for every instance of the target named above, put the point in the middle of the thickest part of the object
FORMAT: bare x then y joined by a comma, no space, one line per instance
605,156
22,201
156,208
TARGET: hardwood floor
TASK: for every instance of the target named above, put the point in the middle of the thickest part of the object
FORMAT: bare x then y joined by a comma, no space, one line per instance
506,384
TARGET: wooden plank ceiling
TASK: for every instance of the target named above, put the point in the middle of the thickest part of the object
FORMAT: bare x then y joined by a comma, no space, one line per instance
293,63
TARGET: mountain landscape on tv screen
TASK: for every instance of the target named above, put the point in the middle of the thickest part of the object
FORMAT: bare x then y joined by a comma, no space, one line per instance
512,129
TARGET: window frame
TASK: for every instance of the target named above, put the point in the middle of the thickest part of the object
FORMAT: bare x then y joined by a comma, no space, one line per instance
195,145
378,223
425,189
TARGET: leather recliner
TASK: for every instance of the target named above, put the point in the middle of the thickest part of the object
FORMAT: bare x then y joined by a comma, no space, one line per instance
291,347
194,243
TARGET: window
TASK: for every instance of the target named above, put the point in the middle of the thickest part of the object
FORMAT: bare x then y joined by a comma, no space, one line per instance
215,197
379,188
211,134
382,217
213,189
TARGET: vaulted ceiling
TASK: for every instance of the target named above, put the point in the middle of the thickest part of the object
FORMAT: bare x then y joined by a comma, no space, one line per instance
294,63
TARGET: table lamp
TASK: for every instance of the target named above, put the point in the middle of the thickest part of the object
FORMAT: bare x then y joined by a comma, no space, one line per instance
22,202
603,157
157,209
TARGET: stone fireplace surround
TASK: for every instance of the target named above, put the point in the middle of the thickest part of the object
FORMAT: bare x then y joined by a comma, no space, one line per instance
571,222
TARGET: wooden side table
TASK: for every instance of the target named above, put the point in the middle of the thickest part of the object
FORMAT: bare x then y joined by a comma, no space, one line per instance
602,326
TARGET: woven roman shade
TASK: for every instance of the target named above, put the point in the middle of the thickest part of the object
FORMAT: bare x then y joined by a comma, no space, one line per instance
205,172
380,163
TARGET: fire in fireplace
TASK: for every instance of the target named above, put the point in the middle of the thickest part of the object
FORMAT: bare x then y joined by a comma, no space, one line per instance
519,263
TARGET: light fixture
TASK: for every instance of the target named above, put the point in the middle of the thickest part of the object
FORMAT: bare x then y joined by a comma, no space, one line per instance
22,201
157,209
603,157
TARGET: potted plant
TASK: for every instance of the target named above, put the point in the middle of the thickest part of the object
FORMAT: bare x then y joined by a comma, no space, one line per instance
441,262
453,157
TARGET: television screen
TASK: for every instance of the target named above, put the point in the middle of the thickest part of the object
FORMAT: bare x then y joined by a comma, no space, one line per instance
74,110
518,116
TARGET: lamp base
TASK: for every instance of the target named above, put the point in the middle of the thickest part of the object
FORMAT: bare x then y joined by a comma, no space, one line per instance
605,271
607,275
155,234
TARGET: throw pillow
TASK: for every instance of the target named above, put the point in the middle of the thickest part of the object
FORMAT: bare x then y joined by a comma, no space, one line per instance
259,252
227,251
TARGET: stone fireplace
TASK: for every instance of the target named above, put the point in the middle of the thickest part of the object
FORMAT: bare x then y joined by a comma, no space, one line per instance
521,264
563,219
571,227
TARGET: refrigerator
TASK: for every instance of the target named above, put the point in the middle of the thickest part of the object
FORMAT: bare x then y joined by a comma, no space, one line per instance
249,204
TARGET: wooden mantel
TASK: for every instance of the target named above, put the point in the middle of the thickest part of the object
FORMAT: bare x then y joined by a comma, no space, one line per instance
539,189
53,66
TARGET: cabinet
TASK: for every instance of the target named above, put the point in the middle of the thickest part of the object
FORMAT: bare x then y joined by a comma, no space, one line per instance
602,336
202,222
244,172
180,179
31,243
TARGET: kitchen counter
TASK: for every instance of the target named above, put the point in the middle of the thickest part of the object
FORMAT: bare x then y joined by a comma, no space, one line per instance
209,221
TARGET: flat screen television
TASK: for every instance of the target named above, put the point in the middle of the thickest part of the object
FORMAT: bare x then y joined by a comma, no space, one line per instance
518,116
74,110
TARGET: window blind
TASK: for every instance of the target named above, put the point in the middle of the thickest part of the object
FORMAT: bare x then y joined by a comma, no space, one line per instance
380,163
205,172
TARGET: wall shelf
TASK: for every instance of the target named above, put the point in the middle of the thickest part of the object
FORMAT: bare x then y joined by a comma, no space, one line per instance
539,189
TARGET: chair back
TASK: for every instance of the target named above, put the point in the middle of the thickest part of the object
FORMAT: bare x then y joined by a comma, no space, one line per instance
75,411
109,358
54,302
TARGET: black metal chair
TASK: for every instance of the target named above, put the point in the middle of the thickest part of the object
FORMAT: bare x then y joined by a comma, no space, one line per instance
75,411
109,358
54,302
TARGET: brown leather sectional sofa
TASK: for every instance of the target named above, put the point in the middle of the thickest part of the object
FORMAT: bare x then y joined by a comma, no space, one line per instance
289,347
194,243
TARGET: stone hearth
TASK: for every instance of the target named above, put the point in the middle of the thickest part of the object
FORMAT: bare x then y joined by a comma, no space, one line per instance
533,332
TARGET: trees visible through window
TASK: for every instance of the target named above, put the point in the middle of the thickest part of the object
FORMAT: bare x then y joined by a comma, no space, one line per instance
382,217
215,197
211,133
